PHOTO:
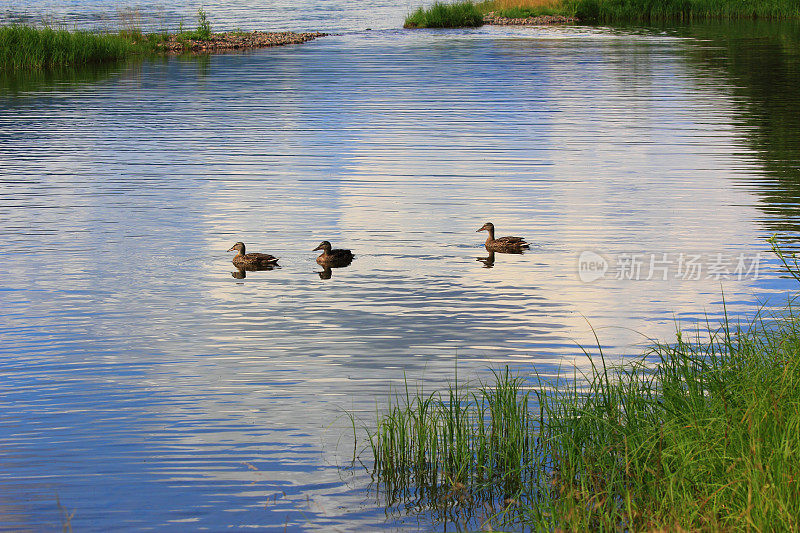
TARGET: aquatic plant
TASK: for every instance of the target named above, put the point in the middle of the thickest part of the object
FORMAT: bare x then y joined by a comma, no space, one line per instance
702,433
613,11
681,10
442,15
516,9
28,47
201,33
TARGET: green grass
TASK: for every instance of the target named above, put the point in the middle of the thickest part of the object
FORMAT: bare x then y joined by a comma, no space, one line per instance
44,48
522,12
201,33
700,434
681,10
26,47
520,9
465,14
442,15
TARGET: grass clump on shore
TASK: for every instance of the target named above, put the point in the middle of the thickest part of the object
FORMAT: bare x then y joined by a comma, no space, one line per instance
27,47
681,10
44,48
201,33
520,9
442,15
605,11
697,435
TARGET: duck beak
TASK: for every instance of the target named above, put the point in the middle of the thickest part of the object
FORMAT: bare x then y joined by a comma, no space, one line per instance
483,228
232,249
317,248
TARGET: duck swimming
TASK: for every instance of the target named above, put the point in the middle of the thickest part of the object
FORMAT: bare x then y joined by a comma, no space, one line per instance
331,257
503,244
253,260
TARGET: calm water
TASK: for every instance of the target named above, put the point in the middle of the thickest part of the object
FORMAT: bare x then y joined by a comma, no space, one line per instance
145,387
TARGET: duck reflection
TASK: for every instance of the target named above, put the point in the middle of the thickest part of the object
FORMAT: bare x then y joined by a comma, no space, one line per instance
327,270
488,261
241,271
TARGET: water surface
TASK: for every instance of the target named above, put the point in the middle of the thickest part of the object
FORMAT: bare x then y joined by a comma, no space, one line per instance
146,387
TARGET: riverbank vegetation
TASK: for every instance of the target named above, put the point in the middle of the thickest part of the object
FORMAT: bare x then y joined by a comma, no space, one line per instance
461,14
44,48
605,11
28,47
696,435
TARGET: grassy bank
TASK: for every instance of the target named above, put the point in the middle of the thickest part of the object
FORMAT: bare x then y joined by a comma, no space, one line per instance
27,47
442,15
606,11
44,48
524,8
697,435
681,10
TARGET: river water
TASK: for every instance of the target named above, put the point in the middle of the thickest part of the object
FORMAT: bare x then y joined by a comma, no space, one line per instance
146,384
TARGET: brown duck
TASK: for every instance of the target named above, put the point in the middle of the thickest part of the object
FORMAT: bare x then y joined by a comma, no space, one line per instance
251,260
331,257
503,244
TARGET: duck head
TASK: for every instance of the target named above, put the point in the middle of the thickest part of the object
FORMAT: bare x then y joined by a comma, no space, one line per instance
238,246
487,227
324,245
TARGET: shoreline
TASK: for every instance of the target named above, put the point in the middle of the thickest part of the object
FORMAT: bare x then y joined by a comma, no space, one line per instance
542,20
226,41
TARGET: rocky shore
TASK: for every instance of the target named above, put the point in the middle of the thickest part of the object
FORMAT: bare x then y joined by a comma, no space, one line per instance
491,18
236,41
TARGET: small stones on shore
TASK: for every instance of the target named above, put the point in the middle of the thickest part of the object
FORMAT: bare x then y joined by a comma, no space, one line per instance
236,41
491,18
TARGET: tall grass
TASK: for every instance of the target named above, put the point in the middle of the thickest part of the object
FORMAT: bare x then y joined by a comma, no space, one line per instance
44,48
698,434
27,47
681,10
607,11
442,15
522,8
201,33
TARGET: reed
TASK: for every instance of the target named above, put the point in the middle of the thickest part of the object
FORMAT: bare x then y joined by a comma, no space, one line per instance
43,48
28,47
702,433
607,11
523,8
201,33
443,15
681,10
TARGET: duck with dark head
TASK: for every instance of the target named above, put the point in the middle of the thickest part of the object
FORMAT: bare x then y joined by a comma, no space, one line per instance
253,260
508,245
331,257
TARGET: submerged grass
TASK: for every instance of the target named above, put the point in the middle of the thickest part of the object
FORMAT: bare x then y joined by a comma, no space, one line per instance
696,435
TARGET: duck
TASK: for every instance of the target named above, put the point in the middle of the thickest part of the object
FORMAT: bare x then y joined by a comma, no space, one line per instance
253,260
332,257
503,244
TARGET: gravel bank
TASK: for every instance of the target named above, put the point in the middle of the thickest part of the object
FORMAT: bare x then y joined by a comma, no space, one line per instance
237,41
491,18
